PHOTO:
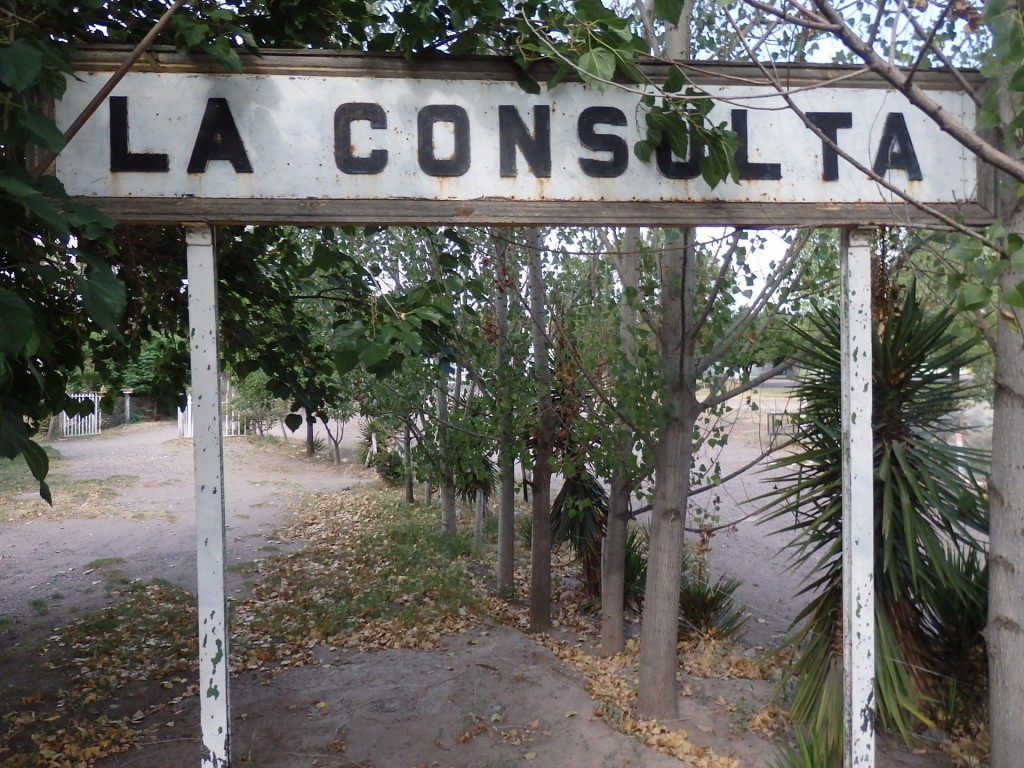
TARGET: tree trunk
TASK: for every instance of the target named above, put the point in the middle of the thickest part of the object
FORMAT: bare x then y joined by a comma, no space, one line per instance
613,568
506,439
310,440
478,518
658,697
613,548
407,456
449,516
540,550
1005,632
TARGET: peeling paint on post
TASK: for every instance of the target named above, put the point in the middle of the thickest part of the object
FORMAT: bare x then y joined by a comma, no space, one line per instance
215,709
858,502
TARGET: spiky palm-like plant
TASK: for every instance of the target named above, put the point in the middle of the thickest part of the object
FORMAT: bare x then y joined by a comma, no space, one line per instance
579,516
928,507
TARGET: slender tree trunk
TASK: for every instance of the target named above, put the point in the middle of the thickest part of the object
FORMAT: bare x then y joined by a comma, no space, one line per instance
613,568
407,456
310,440
506,439
1005,632
658,697
478,518
449,517
613,548
540,551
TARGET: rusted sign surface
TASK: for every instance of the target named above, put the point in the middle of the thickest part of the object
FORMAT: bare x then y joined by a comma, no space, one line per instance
320,138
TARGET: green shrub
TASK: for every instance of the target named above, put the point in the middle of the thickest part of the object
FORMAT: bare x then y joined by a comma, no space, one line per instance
808,752
524,530
389,466
637,540
579,517
708,607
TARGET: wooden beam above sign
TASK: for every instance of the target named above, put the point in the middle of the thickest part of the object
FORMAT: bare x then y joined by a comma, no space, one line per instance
315,137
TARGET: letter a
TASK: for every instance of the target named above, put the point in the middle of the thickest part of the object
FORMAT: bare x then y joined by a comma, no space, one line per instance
218,139
896,150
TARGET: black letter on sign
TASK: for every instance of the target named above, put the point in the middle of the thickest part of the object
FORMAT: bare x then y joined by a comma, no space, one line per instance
218,139
747,170
344,116
829,123
458,163
671,168
120,158
896,150
602,142
536,148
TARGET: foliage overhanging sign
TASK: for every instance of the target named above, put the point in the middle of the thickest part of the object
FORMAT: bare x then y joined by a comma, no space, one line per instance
316,137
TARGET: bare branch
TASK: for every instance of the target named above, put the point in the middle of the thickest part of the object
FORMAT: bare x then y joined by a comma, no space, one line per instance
716,287
807,20
948,221
920,98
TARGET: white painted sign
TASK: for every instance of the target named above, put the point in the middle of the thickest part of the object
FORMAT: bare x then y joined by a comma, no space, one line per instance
202,137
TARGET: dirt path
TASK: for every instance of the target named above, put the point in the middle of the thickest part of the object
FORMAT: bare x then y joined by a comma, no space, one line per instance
146,525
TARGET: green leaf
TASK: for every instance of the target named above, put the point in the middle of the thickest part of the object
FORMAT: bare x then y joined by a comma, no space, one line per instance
43,130
668,10
13,433
643,150
966,250
597,66
39,463
20,65
1017,80
16,323
675,81
996,231
293,421
973,296
104,295
372,352
226,54
1015,296
35,201
526,82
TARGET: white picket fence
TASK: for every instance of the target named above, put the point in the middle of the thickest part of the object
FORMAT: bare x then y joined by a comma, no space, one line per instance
231,425
80,426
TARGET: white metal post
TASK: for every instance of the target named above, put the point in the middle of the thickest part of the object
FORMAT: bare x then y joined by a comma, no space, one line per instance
208,446
858,502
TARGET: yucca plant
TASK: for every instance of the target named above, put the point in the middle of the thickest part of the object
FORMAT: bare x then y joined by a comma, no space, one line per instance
579,517
928,506
637,544
807,751
710,607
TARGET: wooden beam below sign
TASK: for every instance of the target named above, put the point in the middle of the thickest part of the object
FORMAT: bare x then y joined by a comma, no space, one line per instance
507,213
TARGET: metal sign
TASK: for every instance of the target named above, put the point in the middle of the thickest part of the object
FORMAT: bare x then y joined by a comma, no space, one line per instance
311,137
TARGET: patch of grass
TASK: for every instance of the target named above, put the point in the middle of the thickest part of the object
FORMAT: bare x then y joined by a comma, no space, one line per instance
39,606
114,578
89,498
376,571
245,567
104,562
15,476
